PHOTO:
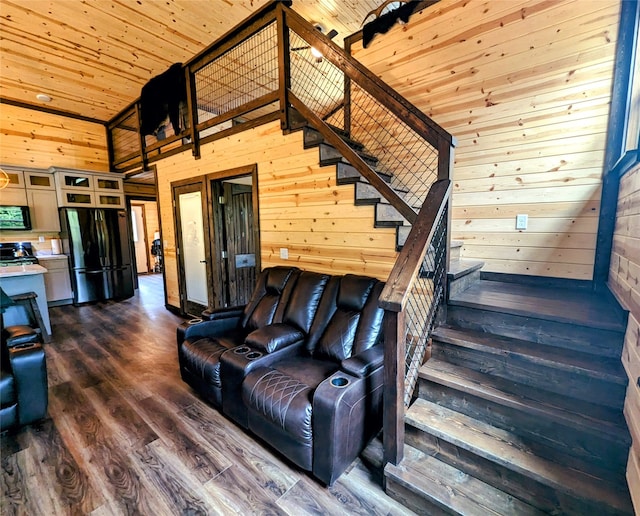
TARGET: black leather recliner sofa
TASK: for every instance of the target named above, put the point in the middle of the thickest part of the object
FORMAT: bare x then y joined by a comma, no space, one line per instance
307,379
23,378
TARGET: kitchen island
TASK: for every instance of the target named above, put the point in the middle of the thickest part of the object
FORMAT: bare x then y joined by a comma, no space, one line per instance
19,279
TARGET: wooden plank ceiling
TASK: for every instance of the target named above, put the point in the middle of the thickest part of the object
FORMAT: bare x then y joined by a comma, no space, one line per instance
92,57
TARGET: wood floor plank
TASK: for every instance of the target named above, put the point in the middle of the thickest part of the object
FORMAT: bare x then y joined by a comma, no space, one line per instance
201,460
125,435
171,482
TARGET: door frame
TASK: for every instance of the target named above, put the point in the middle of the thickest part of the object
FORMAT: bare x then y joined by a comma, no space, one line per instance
216,222
145,235
177,188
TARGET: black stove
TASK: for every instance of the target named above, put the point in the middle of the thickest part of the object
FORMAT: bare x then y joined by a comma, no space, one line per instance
16,253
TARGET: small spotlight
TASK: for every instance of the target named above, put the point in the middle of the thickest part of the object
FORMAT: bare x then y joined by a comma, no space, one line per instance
43,97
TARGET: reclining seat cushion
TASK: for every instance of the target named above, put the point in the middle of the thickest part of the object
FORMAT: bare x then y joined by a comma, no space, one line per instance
280,402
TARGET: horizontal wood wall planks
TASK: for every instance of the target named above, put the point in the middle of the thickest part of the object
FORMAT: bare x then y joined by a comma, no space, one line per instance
624,280
41,140
525,87
301,207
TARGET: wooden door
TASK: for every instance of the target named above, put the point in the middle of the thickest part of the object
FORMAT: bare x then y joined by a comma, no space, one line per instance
237,240
192,237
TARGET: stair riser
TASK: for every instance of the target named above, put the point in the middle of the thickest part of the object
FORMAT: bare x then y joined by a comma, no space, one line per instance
412,500
525,488
535,375
588,340
464,282
565,444
330,155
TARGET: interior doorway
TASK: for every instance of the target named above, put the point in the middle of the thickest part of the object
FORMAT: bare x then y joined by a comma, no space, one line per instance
189,201
237,238
140,238
217,239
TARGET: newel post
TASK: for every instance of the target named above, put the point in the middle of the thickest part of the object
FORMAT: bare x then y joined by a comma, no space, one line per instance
394,366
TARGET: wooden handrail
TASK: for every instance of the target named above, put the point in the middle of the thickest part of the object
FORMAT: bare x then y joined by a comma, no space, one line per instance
394,294
393,299
354,159
357,72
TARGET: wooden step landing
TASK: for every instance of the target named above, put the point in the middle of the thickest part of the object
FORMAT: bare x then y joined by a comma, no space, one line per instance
500,458
583,307
429,486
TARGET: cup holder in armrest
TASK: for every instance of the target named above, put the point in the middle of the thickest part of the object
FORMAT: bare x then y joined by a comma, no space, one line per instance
241,350
339,381
194,321
253,355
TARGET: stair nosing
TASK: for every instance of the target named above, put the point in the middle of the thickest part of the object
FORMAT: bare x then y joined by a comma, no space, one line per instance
545,472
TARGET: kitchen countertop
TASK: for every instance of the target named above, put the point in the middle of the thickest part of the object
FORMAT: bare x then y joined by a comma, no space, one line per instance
21,270
48,256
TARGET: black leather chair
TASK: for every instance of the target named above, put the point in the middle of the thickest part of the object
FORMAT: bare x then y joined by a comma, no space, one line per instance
201,344
322,404
23,375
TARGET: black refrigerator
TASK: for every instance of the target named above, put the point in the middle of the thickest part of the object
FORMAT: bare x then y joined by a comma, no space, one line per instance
97,242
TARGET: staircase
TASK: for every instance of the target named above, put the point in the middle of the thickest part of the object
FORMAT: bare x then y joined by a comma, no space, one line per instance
385,215
519,410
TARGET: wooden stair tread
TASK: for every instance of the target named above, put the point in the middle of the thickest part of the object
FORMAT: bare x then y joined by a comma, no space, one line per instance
507,450
452,489
540,302
516,396
606,369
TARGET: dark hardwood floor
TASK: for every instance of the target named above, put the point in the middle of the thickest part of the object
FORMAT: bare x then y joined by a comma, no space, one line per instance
126,436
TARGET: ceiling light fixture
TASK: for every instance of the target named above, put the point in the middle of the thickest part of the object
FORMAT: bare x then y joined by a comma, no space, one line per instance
43,97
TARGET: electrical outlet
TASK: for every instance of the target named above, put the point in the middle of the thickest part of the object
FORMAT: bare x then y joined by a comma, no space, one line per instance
284,253
522,221
41,239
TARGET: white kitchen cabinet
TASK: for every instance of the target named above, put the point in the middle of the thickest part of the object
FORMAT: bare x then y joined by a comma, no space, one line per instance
57,280
81,188
43,206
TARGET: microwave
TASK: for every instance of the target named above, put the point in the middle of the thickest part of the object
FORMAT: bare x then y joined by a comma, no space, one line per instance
15,218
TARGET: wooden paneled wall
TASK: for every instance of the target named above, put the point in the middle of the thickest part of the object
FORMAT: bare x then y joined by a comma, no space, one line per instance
37,139
300,206
624,280
524,85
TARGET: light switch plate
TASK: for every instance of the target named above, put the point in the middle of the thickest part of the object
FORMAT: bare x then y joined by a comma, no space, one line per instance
522,221
284,253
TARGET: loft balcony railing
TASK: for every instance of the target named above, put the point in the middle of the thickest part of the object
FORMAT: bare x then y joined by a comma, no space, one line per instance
264,70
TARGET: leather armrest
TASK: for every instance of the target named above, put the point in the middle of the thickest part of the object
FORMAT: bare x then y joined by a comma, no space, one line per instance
29,368
219,324
274,337
364,363
222,313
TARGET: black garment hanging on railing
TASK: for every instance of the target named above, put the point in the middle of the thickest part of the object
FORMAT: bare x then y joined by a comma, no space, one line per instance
162,96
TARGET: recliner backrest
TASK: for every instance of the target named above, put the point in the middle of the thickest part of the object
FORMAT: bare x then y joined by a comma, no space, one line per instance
349,320
269,298
303,302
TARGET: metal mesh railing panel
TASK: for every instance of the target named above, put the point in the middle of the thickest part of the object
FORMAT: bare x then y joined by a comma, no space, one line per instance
403,153
125,138
318,83
424,298
244,73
